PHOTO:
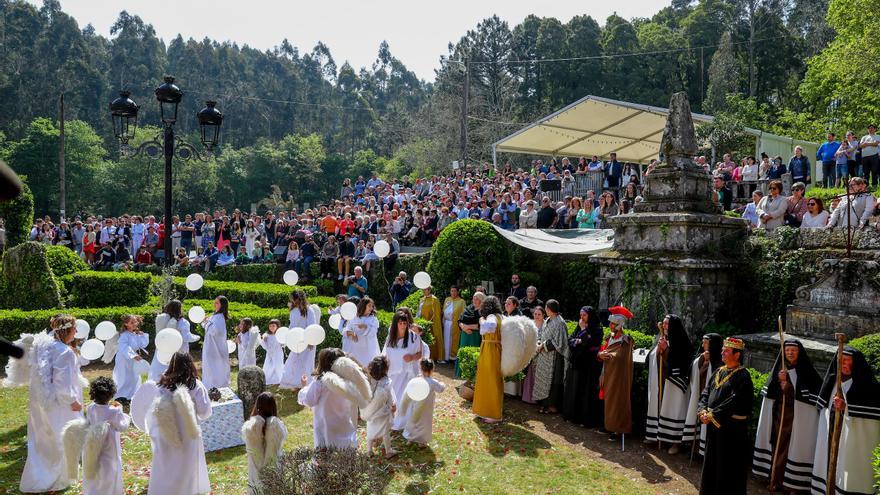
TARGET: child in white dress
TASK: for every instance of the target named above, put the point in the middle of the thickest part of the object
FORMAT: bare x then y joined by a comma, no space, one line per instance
264,434
171,318
364,329
215,352
131,341
247,340
380,411
273,366
420,422
403,349
299,363
96,440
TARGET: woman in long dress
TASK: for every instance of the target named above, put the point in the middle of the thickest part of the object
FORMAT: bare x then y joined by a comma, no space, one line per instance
55,398
489,389
179,466
469,324
364,345
299,363
668,399
403,348
581,404
538,316
551,361
215,353
453,307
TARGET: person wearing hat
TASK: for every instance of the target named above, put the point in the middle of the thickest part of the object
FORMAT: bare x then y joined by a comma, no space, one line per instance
782,454
725,407
615,381
859,430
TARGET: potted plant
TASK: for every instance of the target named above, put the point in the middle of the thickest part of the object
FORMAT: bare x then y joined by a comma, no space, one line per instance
467,364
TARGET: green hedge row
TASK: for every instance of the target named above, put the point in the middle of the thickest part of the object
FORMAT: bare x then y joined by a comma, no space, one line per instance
89,289
262,294
64,261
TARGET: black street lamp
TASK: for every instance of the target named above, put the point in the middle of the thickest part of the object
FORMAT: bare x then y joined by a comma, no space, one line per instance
124,113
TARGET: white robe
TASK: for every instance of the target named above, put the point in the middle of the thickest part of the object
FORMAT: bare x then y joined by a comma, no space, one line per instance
378,413
262,448
215,353
157,369
302,363
127,381
347,344
179,470
420,421
247,348
273,366
367,346
108,479
858,437
401,372
335,416
54,385
448,312
694,392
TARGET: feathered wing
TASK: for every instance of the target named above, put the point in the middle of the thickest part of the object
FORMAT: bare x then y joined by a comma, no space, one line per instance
73,437
376,404
252,433
110,348
315,310
275,434
186,409
519,337
350,371
94,443
18,371
40,362
166,419
254,340
162,320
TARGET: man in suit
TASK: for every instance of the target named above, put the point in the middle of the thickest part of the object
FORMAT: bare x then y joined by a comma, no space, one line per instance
771,210
613,172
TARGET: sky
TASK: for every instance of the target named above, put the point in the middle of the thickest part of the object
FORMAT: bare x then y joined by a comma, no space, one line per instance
418,32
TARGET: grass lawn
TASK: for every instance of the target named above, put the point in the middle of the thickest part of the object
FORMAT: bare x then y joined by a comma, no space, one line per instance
465,456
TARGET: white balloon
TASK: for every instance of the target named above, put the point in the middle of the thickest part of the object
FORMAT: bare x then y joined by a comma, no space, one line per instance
196,314
92,349
194,282
422,280
348,311
141,403
169,340
105,330
296,340
291,277
315,334
82,329
230,346
382,248
141,367
281,335
417,389
164,357
335,321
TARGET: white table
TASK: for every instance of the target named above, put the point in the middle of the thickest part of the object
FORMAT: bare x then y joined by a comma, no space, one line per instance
223,429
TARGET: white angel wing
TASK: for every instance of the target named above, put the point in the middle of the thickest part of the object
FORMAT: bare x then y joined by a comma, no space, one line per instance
519,337
18,371
315,310
110,348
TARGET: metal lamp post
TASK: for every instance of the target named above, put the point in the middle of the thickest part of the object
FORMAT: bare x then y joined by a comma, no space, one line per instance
124,113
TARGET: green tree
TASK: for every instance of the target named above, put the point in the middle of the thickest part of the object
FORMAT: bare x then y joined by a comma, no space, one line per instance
724,75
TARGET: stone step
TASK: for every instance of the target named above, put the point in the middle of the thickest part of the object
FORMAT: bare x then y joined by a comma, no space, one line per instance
762,349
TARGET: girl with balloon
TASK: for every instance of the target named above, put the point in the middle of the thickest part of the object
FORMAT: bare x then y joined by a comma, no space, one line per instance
299,363
172,317
403,348
247,339
365,327
215,352
273,366
126,369
418,404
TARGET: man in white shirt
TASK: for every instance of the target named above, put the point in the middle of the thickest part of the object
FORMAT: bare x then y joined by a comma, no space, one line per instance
771,209
108,232
860,212
870,145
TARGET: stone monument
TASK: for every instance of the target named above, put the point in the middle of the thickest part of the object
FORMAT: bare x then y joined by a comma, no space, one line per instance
677,252
251,383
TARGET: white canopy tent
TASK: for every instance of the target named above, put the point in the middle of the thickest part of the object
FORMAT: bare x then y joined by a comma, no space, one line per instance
600,126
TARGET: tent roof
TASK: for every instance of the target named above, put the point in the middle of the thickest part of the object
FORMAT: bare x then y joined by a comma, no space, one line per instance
599,126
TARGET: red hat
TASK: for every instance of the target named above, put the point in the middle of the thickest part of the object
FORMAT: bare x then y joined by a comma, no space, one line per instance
620,310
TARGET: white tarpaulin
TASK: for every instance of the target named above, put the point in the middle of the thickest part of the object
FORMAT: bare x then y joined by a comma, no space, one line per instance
561,241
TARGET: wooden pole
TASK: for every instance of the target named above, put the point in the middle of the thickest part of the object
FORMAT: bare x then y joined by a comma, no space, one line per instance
830,480
464,113
782,398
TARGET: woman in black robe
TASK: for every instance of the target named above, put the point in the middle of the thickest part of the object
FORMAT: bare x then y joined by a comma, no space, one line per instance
581,401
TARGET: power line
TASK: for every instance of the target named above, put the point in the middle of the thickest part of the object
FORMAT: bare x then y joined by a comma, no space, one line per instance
270,100
472,117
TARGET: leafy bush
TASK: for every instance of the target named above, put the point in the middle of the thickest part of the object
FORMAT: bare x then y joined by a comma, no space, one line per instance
307,471
19,216
467,363
758,381
27,280
90,289
723,329
412,301
870,347
876,463
825,194
64,261
640,340
466,253
261,294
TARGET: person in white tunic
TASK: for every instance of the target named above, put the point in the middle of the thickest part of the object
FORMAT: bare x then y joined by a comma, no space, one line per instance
706,362
671,357
365,327
859,429
55,399
215,352
273,365
179,466
264,434
247,340
132,341
96,440
420,419
299,363
403,348
379,412
347,336
339,389
171,318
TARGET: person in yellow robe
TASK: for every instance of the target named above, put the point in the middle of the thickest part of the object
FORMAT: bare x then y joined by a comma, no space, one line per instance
429,309
453,307
489,389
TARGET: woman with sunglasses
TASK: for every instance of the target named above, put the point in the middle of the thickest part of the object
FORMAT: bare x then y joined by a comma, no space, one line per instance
816,216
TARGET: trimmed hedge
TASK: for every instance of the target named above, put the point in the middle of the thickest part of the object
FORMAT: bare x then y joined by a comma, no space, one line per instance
19,216
466,253
89,289
262,294
64,261
870,347
27,281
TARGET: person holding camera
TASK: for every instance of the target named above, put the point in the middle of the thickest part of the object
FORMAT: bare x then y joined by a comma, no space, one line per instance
400,289
357,283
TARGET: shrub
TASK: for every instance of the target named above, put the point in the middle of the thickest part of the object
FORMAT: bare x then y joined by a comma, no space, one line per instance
64,261
640,340
27,280
466,253
870,347
91,289
261,294
412,301
758,381
467,363
19,216
324,472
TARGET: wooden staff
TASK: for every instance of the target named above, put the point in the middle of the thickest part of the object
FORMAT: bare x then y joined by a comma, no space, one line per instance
660,383
782,398
830,480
